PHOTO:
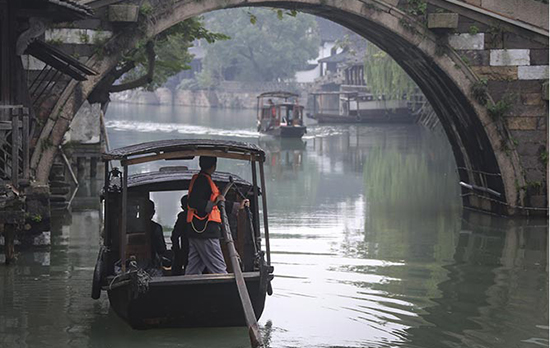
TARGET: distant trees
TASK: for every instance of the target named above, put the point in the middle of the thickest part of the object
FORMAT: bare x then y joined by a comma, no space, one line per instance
265,45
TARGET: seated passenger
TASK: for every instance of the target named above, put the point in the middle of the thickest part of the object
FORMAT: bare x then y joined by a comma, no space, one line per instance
180,241
158,245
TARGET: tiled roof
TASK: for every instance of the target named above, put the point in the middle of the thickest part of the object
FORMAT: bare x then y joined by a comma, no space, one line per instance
82,10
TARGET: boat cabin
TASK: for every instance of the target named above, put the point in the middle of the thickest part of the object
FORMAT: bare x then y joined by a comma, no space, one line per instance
127,238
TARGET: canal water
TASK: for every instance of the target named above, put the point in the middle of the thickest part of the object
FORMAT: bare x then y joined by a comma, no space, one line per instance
369,243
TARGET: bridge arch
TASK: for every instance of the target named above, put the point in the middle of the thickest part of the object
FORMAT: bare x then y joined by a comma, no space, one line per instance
477,140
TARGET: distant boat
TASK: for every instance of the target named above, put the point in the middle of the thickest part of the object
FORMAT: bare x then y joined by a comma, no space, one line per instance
280,115
358,107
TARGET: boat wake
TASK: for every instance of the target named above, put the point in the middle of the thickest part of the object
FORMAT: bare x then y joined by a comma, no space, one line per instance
154,127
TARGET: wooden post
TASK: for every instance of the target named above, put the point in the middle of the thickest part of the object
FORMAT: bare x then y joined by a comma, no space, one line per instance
124,217
256,204
106,225
264,208
15,147
9,240
25,132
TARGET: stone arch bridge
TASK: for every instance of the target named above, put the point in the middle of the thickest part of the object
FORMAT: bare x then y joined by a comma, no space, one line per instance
459,53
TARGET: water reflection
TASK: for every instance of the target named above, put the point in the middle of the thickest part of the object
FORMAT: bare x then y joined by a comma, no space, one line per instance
369,244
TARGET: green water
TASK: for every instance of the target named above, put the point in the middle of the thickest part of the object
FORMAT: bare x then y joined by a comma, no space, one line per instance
369,243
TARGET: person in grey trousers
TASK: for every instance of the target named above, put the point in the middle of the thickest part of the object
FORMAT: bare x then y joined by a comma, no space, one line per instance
204,220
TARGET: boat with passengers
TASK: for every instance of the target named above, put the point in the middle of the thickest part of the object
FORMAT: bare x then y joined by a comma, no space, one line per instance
280,114
164,300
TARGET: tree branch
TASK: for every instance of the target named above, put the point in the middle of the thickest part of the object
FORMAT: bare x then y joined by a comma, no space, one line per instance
143,80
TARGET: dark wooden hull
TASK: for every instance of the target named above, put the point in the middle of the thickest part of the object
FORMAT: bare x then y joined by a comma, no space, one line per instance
287,131
188,301
401,115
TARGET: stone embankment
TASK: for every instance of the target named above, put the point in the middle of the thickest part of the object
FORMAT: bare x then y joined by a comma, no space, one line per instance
230,95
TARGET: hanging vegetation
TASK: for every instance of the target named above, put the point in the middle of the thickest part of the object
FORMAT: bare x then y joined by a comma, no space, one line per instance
385,77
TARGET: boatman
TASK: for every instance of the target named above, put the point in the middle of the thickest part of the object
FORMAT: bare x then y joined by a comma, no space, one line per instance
204,220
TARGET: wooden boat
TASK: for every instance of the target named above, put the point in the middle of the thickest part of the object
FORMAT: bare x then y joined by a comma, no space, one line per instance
358,107
280,115
146,301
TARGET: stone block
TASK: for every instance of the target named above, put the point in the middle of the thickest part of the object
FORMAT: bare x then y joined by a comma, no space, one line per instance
31,63
538,201
538,137
494,40
442,20
496,72
498,89
85,127
76,36
123,13
531,98
531,162
476,57
77,50
534,175
89,23
467,41
521,123
514,41
542,122
533,72
528,149
509,57
539,56
528,110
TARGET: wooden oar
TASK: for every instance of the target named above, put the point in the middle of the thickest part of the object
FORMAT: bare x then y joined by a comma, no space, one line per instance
250,316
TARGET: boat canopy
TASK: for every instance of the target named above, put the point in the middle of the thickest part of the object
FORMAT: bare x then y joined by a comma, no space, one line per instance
278,94
178,179
185,149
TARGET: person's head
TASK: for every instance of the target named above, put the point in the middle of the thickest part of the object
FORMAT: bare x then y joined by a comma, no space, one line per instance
183,202
208,164
149,209
269,101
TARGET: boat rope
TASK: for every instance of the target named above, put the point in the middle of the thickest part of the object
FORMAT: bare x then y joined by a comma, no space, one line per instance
477,171
112,281
142,281
503,203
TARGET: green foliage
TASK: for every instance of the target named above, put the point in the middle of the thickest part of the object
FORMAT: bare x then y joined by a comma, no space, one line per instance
384,76
171,48
479,91
543,156
263,46
33,217
473,30
417,7
55,42
84,38
146,9
500,108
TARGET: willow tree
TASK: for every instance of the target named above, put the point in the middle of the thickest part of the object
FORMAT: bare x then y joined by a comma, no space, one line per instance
385,77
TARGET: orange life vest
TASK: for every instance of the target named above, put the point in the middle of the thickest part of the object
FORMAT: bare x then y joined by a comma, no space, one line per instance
214,215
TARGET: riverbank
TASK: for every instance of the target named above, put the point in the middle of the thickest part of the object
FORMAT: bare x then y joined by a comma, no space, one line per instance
230,95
